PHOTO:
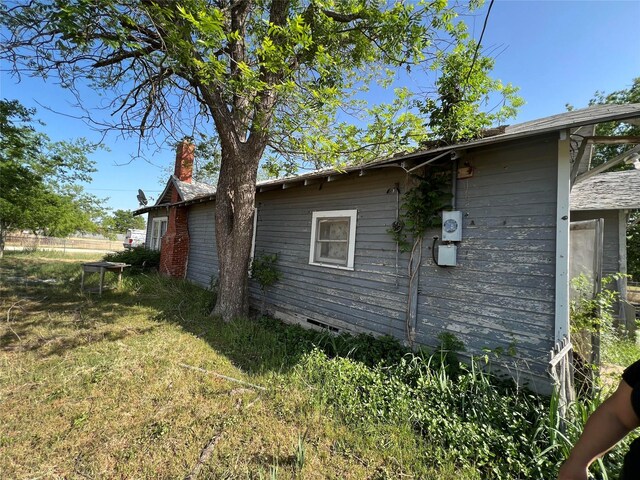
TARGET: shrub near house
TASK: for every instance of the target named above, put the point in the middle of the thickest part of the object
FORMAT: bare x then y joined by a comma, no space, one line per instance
139,257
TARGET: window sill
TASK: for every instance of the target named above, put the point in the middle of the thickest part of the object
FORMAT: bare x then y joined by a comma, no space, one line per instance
329,265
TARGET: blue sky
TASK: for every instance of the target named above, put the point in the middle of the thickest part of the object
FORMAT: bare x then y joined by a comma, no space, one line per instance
557,52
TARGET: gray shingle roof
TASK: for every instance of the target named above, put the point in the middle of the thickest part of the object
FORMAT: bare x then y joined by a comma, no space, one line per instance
576,118
194,190
608,191
187,191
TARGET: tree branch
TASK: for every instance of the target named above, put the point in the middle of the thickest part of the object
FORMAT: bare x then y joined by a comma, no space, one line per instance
117,58
343,17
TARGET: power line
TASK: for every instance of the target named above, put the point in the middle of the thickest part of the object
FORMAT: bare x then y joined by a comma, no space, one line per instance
475,54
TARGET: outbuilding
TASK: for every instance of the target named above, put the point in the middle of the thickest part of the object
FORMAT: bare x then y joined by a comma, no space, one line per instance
612,197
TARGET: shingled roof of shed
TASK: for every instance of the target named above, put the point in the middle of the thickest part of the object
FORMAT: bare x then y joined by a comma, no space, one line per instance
608,191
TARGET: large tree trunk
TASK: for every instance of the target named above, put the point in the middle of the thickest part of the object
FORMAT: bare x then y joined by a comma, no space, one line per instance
235,201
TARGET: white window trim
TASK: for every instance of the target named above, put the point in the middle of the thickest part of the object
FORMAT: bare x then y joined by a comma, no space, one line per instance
157,220
352,215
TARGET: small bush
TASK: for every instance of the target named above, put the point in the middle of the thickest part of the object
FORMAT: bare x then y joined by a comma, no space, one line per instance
139,257
264,270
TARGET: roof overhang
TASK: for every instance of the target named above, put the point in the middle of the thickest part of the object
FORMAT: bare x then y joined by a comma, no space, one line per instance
414,160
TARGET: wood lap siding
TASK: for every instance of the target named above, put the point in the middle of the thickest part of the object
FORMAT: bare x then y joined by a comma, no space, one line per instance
369,298
502,292
202,265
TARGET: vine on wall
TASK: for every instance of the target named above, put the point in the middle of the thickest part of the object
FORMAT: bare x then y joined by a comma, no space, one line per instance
421,207
420,210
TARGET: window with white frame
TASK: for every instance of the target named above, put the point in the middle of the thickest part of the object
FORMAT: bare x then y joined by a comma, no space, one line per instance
158,229
333,238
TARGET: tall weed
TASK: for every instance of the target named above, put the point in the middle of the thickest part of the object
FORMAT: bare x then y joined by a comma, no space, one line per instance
503,432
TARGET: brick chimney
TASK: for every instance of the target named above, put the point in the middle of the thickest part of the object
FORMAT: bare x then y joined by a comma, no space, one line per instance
184,160
174,252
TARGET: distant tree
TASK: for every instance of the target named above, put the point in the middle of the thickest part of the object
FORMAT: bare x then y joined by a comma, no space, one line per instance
38,189
119,221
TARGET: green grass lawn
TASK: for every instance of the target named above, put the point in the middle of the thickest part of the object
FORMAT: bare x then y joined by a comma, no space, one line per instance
92,387
95,387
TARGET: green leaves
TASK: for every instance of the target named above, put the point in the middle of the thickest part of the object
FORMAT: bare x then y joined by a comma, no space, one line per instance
592,313
289,70
119,221
264,270
463,88
602,153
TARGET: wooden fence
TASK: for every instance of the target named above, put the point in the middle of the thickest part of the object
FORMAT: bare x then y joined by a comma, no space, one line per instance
35,242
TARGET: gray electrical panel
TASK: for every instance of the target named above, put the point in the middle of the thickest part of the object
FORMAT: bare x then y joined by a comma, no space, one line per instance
447,255
452,226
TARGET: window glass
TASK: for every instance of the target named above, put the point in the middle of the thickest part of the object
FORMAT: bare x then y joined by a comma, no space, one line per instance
163,228
332,244
158,229
334,229
333,251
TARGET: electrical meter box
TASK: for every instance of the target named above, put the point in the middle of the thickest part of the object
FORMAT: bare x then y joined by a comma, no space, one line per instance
452,226
447,255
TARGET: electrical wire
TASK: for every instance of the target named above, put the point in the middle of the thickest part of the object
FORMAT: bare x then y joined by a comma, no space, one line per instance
475,54
433,250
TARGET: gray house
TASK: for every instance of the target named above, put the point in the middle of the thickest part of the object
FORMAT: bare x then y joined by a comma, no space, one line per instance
496,277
